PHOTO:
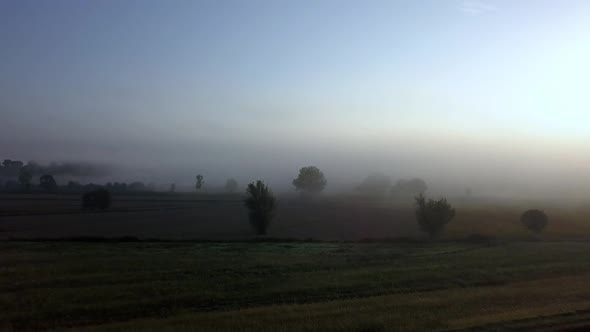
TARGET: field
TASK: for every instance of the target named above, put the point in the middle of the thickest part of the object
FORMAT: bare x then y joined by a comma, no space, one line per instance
224,217
505,280
285,286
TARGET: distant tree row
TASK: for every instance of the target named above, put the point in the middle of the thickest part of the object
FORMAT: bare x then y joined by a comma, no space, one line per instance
231,185
311,180
378,185
431,215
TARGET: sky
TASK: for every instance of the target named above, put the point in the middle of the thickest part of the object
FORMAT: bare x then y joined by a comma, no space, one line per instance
487,94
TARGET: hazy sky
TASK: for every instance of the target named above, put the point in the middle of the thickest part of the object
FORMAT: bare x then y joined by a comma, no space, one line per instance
445,90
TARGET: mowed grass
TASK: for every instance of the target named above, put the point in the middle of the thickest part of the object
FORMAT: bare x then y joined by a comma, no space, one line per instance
224,217
554,300
45,285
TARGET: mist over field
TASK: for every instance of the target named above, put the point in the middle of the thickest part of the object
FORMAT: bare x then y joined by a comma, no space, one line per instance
485,96
294,165
515,172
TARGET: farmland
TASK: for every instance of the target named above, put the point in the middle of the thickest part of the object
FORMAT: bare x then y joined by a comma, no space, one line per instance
224,217
192,263
343,286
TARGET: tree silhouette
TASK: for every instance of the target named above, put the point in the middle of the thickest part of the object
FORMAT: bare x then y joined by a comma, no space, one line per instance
137,186
433,215
10,168
97,199
200,182
408,188
24,177
375,184
534,220
261,204
231,185
48,183
310,180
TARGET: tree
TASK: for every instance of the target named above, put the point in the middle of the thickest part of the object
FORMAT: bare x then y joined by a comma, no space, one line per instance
433,215
73,185
48,183
12,163
231,185
117,187
310,180
96,199
409,188
24,177
137,186
261,204
10,168
375,184
200,182
534,220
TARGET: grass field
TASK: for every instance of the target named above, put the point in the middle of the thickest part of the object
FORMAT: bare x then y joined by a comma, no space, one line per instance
287,286
224,217
503,278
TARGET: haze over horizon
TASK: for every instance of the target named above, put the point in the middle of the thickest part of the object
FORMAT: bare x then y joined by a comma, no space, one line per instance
486,94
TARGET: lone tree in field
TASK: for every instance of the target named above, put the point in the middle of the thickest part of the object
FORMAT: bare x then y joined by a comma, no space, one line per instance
97,199
261,204
231,185
310,180
200,182
534,220
48,183
25,176
432,216
408,188
376,184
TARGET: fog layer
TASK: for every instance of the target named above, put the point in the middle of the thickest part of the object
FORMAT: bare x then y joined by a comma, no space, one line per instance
492,99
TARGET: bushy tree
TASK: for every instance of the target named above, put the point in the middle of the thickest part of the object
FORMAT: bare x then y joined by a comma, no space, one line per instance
261,204
200,182
375,184
117,187
408,188
433,215
10,168
137,186
73,185
231,185
48,183
310,180
534,220
96,199
24,177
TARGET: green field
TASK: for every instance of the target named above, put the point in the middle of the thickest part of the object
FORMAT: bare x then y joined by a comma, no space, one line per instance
253,286
224,217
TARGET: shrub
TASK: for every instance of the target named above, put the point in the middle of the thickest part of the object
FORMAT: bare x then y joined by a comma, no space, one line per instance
200,182
261,204
408,188
96,199
231,185
48,183
310,180
534,220
25,176
375,184
433,215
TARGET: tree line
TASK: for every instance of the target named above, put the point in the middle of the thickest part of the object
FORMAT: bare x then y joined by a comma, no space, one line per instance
431,215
